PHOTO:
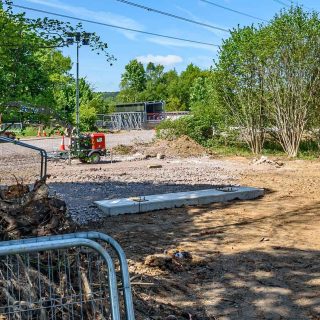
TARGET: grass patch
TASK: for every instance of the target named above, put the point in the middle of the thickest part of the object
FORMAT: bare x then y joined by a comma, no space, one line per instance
309,149
28,132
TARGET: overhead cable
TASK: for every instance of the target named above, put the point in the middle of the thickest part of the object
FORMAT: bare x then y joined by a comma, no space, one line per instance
282,3
289,4
233,10
172,15
115,26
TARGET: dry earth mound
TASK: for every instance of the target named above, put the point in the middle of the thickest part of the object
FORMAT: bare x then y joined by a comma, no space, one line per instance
183,147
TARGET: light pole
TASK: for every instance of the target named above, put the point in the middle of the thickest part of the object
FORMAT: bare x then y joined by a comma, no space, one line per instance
80,39
77,88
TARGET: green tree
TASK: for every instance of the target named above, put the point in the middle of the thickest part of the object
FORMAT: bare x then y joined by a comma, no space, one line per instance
241,84
270,76
174,104
66,98
185,82
133,81
205,104
88,116
292,72
155,86
32,71
154,73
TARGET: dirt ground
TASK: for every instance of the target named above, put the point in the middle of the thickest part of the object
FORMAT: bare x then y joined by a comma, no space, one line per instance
260,258
263,255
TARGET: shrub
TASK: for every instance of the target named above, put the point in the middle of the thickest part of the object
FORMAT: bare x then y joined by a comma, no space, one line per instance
196,128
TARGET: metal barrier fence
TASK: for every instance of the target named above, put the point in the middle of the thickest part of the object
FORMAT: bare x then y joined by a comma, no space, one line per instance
21,160
16,126
127,120
62,277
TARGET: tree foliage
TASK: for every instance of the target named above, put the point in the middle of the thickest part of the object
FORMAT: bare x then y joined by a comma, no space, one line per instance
241,84
151,83
269,78
292,74
34,75
134,76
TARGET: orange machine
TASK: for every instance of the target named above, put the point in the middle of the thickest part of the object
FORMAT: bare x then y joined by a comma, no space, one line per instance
89,147
98,141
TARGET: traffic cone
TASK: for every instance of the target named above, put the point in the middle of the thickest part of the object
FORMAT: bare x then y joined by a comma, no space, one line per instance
62,146
44,133
39,132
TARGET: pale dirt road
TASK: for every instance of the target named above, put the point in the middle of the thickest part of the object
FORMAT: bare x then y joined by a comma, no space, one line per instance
263,256
112,139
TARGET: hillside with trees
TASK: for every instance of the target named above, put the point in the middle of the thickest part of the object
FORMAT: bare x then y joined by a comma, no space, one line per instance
151,83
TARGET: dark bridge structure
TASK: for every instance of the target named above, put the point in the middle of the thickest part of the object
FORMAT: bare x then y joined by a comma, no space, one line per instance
137,115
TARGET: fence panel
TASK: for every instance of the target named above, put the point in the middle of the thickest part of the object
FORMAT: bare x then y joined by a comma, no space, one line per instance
21,162
104,240
57,279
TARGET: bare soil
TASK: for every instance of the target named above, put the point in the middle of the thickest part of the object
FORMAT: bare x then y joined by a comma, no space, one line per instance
261,257
183,147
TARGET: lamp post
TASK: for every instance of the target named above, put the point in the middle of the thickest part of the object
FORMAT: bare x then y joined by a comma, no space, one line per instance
80,39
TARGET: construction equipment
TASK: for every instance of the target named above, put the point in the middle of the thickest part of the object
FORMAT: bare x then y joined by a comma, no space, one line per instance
89,148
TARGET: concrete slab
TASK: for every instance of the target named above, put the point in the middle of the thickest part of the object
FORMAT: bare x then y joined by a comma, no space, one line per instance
175,200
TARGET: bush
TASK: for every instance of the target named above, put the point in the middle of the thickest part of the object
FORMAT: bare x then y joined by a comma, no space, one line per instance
198,129
88,118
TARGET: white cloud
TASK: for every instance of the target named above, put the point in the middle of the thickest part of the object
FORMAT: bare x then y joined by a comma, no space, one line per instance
101,16
178,43
168,60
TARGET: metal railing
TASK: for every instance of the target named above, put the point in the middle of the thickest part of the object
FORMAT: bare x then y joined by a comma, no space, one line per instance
63,285
127,120
16,126
42,152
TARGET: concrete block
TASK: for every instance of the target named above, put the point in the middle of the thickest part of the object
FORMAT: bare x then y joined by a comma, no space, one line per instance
175,200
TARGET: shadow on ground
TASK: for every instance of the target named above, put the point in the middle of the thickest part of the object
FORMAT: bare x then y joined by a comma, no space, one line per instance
283,284
267,280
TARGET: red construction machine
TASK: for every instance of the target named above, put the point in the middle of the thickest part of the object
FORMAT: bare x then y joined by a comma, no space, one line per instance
89,148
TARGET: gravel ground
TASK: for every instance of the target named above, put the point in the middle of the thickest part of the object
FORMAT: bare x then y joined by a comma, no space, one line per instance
113,139
261,257
127,176
79,185
23,163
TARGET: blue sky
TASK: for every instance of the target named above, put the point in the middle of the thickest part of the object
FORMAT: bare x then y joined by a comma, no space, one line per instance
126,46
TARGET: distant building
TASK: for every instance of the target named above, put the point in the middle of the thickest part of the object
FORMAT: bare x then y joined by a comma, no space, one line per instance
148,107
